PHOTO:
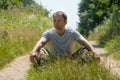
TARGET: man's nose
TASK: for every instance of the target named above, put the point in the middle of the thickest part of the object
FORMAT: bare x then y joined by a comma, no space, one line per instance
56,22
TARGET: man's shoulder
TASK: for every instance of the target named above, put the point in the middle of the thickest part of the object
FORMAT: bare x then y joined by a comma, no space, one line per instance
69,30
51,30
48,32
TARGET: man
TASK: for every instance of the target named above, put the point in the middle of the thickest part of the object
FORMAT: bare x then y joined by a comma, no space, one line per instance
60,38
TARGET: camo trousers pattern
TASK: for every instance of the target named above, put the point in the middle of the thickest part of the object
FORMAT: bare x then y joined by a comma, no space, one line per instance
80,53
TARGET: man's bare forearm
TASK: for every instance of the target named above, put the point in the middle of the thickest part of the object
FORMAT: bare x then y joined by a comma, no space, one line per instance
37,48
85,43
39,45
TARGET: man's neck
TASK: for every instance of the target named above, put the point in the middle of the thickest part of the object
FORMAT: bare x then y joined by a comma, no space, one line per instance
60,32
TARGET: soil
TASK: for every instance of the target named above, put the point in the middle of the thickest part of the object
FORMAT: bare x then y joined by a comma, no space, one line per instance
16,70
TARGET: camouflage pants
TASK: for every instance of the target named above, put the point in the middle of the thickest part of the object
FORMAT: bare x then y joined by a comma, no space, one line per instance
80,53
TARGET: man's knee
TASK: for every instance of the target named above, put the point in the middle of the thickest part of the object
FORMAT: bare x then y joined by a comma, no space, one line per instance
43,56
43,53
80,51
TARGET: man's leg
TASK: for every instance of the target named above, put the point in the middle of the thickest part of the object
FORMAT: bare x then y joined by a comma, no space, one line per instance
43,56
81,54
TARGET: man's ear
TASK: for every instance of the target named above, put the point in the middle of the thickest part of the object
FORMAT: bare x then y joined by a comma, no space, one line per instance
65,21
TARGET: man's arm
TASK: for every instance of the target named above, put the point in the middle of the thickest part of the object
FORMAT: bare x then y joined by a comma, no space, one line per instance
85,43
89,47
37,48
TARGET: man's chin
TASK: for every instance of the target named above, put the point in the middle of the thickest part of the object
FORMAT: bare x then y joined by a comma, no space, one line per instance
59,29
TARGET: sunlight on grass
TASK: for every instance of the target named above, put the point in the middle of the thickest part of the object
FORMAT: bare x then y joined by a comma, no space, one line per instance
14,43
67,69
19,31
113,47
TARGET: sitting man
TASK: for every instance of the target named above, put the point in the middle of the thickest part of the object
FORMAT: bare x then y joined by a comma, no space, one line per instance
60,39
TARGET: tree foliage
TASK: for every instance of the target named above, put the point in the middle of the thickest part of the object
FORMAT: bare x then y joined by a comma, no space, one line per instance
93,12
27,2
5,4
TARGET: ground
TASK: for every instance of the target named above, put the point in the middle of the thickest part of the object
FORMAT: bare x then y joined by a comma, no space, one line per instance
17,69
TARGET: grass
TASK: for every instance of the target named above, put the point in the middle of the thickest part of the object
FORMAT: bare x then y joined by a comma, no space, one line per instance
68,69
113,47
16,42
20,29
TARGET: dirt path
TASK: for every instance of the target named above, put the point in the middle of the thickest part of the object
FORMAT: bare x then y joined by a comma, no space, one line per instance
16,70
112,65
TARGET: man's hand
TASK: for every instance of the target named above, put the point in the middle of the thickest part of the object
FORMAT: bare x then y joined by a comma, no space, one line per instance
95,56
33,56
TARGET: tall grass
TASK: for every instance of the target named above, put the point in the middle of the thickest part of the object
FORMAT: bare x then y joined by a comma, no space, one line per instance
25,17
113,46
68,69
19,31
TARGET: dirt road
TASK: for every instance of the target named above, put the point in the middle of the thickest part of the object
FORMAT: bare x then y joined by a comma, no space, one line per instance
16,70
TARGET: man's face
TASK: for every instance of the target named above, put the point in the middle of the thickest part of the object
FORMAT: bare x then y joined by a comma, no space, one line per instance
59,22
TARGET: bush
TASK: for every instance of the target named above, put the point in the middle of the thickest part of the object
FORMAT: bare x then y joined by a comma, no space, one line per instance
108,30
108,34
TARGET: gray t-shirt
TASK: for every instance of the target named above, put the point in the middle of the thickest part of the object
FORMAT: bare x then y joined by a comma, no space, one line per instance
61,45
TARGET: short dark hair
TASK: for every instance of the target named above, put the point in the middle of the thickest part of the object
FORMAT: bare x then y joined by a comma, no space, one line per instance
62,13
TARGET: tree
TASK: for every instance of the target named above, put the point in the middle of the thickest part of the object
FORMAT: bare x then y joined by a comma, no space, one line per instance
93,12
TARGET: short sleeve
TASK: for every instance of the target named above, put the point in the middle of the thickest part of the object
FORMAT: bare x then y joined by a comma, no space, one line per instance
76,35
46,35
